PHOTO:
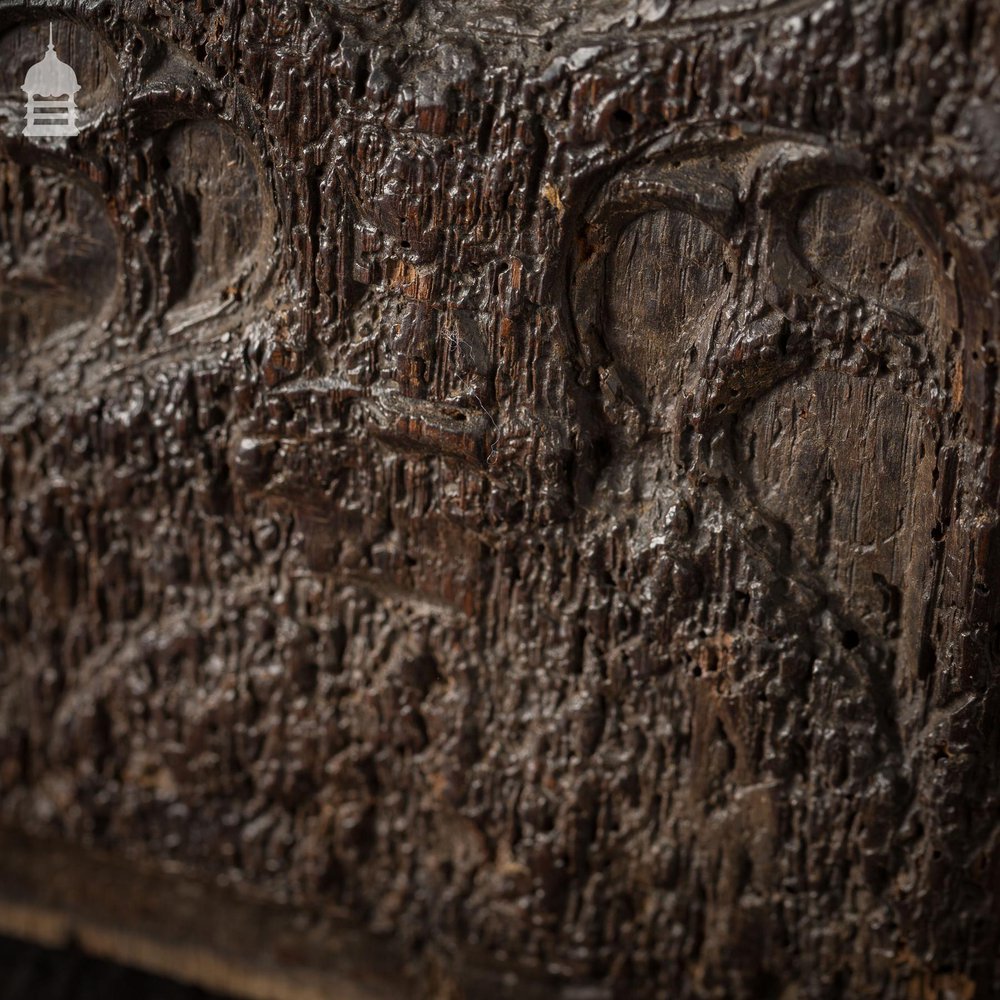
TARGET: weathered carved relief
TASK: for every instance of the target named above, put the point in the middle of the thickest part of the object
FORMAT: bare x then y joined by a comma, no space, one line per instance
520,478
775,327
710,367
60,272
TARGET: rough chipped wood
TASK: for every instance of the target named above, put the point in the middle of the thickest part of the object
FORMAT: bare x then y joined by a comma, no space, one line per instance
524,475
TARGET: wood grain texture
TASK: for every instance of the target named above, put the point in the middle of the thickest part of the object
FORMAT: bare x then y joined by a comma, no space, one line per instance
524,476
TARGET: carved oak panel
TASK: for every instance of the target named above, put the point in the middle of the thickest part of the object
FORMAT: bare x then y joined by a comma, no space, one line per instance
520,480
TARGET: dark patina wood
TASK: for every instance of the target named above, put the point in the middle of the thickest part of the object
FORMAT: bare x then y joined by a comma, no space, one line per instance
517,480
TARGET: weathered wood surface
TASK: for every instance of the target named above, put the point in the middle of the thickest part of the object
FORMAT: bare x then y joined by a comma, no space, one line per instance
522,474
34,973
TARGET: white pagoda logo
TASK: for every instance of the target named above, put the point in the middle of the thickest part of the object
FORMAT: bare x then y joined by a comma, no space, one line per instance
51,87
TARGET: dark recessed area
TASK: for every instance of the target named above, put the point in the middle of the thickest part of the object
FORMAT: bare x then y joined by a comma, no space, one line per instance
850,639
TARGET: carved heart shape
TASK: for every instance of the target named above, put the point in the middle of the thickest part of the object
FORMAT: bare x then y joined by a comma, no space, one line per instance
839,462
